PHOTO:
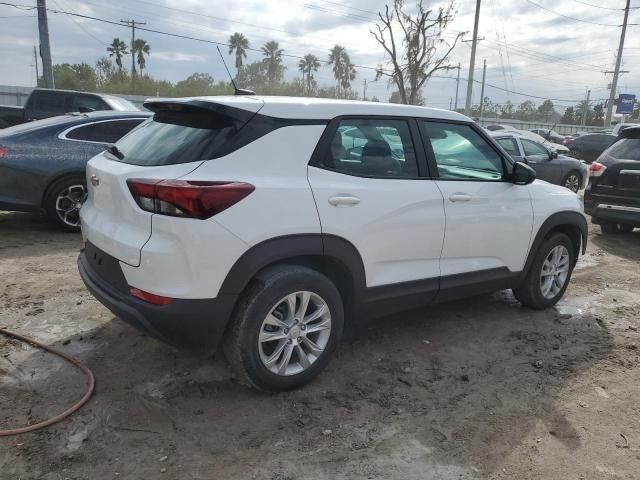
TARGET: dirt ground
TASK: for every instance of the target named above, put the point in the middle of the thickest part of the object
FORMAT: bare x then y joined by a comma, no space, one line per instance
480,388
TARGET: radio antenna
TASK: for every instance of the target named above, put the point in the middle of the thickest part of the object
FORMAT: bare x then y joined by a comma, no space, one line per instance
236,90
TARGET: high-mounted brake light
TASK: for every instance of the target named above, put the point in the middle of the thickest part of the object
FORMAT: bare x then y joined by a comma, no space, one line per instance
187,198
150,297
596,169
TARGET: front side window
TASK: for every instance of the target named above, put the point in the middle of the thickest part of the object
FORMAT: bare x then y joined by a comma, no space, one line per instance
533,149
373,147
462,154
510,146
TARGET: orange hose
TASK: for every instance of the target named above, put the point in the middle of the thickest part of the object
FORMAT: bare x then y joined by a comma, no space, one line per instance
66,413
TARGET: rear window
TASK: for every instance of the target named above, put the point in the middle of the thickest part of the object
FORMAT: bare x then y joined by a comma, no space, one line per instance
172,137
626,149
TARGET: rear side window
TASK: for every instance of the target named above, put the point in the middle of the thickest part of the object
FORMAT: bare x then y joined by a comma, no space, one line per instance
625,149
372,147
103,132
462,154
181,136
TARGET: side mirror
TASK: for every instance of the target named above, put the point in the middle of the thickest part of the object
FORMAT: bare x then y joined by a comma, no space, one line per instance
522,174
553,155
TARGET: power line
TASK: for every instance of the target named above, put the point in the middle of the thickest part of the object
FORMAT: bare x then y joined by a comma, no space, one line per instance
598,6
81,27
570,18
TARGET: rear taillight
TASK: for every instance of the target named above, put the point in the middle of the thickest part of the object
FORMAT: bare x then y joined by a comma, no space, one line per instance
187,198
150,297
3,152
596,169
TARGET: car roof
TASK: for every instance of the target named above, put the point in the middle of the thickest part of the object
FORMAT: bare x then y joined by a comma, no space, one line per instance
317,108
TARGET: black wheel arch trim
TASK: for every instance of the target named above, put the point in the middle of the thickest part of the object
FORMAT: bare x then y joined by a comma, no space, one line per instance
556,222
324,247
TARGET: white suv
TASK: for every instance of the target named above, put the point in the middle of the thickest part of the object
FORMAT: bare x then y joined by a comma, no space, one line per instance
267,225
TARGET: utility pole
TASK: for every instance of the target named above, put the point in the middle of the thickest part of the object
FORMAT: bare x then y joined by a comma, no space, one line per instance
484,74
35,59
132,24
586,109
614,83
364,90
45,48
457,85
472,64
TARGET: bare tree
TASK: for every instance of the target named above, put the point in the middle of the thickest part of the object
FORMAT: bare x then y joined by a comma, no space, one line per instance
420,51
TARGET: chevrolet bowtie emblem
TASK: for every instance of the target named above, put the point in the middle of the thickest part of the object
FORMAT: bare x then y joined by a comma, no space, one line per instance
95,181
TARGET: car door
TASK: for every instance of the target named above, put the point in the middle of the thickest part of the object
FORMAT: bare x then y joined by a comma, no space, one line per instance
375,198
488,218
539,158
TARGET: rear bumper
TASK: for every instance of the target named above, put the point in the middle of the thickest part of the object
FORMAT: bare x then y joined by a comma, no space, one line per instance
192,323
611,208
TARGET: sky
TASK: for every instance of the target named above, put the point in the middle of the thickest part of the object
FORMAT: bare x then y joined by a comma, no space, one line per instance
541,48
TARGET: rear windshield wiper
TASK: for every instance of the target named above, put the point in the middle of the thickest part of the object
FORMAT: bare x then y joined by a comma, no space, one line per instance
115,151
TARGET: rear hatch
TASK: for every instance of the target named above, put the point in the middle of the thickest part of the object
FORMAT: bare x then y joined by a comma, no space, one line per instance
620,181
181,135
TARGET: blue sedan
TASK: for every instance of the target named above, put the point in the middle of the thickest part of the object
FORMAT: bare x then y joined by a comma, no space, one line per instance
42,163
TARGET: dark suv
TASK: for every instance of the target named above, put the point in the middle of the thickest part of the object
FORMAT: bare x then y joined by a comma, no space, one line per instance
612,197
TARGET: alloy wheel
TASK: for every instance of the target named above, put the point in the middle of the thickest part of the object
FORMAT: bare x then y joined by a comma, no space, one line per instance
68,204
294,333
555,271
572,182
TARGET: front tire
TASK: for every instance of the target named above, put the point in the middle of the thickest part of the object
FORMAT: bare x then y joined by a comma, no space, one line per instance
285,328
63,201
549,274
572,181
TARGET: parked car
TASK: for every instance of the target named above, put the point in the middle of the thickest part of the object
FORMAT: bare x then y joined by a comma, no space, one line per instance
589,146
254,224
496,126
45,103
550,135
555,147
42,163
619,127
549,166
612,197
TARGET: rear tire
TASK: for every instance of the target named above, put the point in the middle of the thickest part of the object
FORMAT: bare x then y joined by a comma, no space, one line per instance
609,228
549,275
63,201
273,342
625,228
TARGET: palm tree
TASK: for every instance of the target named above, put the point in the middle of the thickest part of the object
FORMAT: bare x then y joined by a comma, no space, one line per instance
336,58
272,59
117,49
348,75
307,65
141,48
240,44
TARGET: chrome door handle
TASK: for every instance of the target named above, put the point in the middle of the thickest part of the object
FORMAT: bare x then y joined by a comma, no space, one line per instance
343,199
459,197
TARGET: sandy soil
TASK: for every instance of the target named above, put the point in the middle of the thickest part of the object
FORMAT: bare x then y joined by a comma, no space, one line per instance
475,389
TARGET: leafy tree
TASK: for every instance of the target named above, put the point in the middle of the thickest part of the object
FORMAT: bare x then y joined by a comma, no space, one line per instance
117,49
253,75
568,118
273,60
105,70
348,75
308,65
507,110
546,110
420,50
598,115
239,44
79,76
140,48
200,83
526,111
